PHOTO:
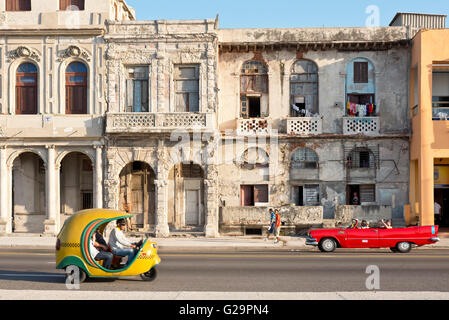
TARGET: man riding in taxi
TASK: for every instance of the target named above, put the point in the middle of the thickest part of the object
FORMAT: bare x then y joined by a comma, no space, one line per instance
120,245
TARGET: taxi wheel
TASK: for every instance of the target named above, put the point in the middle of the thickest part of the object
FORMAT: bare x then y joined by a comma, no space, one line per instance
327,245
70,273
404,247
150,275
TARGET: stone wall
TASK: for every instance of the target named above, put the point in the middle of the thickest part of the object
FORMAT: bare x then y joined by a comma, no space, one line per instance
370,213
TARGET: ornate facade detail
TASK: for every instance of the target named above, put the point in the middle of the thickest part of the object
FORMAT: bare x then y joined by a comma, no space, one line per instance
74,52
24,52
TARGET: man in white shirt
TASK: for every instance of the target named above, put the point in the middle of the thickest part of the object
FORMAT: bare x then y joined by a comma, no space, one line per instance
100,252
120,245
437,212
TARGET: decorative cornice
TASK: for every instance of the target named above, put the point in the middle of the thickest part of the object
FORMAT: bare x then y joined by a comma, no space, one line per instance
74,52
23,52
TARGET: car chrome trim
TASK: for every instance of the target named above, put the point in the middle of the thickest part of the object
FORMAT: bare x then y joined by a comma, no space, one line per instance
435,239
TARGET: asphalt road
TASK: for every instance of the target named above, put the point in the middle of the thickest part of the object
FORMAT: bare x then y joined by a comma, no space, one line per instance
295,271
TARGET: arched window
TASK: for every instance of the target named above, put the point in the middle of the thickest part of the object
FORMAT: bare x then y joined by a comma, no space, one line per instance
360,88
76,88
18,5
255,157
304,158
304,88
71,5
26,89
254,89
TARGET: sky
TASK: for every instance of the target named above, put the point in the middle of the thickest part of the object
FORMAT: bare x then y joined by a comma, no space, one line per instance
286,13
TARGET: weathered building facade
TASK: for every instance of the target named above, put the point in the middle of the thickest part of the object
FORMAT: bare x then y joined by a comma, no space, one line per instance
195,128
52,105
334,102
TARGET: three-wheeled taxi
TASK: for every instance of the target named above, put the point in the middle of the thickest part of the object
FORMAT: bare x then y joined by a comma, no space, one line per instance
73,248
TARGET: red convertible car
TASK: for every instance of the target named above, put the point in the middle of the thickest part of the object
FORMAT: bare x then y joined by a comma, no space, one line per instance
397,239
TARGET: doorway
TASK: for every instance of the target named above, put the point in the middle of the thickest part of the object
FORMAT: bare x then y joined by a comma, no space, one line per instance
442,198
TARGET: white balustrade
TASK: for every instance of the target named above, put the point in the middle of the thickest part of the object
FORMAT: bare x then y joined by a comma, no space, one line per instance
361,125
304,126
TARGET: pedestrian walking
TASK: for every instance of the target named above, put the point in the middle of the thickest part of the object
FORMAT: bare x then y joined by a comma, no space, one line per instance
272,224
277,226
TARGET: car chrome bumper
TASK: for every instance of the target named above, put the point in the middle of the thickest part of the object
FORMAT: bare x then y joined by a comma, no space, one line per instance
435,239
311,241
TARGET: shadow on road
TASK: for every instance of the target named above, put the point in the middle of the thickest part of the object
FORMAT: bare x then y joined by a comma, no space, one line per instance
43,277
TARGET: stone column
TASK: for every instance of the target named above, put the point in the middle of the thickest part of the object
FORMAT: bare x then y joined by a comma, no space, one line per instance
51,227
162,229
211,227
5,219
98,179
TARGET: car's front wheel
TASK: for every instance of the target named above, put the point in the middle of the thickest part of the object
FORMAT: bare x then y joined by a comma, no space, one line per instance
327,245
404,247
150,275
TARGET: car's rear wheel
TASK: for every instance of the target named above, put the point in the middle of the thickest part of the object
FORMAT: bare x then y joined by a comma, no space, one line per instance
327,245
404,247
150,275
75,274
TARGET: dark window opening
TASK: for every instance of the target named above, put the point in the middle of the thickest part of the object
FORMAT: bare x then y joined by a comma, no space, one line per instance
359,194
308,195
18,5
254,107
87,200
253,194
361,159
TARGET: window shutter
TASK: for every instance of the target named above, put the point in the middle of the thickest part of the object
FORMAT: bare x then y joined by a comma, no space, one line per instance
129,95
361,72
261,194
367,193
311,195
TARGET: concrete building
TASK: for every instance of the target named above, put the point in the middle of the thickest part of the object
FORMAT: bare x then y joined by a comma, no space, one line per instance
429,102
52,105
297,88
193,128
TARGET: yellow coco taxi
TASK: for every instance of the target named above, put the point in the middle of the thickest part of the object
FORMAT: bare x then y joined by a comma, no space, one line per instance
73,249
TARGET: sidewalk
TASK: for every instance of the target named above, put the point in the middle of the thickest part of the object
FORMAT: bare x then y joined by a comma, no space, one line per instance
248,243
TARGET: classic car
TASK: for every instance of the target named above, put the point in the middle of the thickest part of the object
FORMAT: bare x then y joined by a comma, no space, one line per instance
397,239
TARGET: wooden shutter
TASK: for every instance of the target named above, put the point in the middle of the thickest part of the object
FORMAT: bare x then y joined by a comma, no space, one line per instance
367,193
361,72
18,5
261,194
247,194
311,195
26,94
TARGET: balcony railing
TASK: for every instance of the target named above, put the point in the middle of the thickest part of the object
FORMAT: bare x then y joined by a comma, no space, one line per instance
149,122
304,126
253,126
361,125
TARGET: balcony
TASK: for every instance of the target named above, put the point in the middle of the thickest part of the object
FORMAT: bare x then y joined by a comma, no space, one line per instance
49,126
157,122
304,126
253,126
369,126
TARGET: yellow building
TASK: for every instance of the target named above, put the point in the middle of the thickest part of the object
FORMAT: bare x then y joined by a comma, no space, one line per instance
429,103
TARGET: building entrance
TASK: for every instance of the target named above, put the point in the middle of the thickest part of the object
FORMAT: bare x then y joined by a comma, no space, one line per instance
442,198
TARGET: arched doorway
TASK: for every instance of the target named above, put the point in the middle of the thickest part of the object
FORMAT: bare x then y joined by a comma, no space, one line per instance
137,194
28,194
76,184
186,197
